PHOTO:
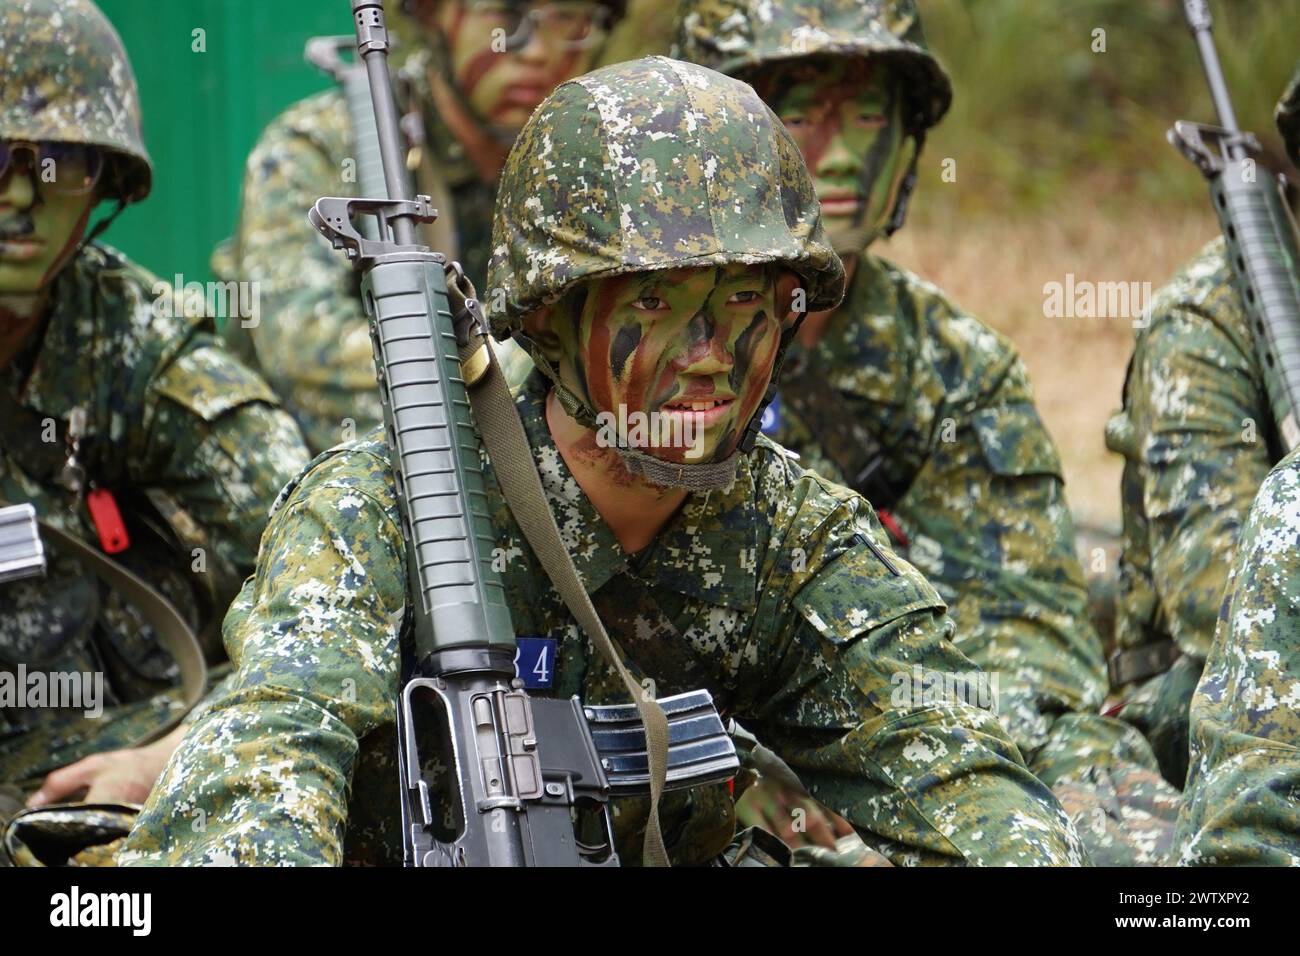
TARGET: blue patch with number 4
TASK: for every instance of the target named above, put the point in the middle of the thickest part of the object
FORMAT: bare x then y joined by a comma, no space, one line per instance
535,662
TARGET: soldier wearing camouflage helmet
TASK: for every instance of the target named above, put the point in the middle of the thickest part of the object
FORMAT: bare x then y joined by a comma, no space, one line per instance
473,71
926,411
104,396
653,230
1198,438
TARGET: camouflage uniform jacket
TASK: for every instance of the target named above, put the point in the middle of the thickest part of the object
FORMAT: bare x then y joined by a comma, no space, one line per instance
1197,436
1198,439
779,595
1240,805
312,341
982,503
171,415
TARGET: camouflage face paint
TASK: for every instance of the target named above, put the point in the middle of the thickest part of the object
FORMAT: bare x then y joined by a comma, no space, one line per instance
503,87
691,347
846,117
39,231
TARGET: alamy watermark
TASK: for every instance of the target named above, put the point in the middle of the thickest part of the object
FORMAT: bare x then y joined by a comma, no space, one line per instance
133,911
1084,299
61,690
924,688
643,430
219,300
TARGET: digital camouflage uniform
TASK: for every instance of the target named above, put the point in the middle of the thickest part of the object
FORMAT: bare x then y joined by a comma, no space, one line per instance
190,442
779,593
1197,436
176,426
1242,802
1243,783
970,476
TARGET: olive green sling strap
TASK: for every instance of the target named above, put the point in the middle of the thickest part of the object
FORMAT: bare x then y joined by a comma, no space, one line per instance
172,629
512,461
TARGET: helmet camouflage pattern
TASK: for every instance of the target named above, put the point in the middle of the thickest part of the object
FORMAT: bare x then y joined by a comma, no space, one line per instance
647,165
1288,117
737,37
68,80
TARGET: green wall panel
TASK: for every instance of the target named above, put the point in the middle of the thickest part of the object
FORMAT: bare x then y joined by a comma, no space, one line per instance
204,110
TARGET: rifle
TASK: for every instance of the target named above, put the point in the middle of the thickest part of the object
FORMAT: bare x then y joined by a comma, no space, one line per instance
522,764
326,54
1257,227
22,555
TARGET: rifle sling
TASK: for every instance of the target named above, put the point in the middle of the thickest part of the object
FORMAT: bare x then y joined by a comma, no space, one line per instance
512,461
172,629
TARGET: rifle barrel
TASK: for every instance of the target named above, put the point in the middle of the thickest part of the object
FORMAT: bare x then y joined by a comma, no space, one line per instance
1202,26
372,47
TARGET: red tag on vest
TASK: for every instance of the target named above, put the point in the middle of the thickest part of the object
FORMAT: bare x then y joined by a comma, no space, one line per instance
892,526
108,521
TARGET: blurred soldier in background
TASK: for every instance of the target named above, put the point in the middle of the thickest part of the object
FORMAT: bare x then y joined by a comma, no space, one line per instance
476,71
1198,438
126,425
926,411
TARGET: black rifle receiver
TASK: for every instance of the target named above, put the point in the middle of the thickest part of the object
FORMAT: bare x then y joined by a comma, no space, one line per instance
1257,227
521,764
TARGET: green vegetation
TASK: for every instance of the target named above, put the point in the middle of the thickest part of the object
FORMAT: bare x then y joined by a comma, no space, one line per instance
1039,117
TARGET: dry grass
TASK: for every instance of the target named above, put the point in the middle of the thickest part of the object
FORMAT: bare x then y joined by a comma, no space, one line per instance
997,268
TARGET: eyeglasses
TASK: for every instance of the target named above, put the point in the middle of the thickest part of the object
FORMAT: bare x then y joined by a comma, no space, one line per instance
569,24
70,169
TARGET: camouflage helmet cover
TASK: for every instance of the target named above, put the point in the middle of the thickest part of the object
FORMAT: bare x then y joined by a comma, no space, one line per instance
647,165
68,80
737,37
1288,117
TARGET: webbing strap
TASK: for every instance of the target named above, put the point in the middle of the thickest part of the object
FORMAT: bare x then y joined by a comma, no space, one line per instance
172,629
512,461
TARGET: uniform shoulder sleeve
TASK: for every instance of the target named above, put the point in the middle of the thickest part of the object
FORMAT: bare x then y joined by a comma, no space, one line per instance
1238,806
314,637
856,685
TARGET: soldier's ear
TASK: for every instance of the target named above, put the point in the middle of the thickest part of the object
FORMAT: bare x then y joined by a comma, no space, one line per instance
537,326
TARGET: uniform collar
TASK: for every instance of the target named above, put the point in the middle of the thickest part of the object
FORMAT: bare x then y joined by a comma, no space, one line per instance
707,551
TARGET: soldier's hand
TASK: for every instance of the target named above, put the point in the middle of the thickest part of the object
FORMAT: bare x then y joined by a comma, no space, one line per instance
117,776
796,819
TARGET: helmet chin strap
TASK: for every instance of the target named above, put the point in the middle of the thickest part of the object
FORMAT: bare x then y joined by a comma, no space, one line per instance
905,188
854,240
707,476
103,224
704,476
756,420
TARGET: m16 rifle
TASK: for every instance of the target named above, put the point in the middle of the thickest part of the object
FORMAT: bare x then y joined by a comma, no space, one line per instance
22,555
522,764
1258,228
327,54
